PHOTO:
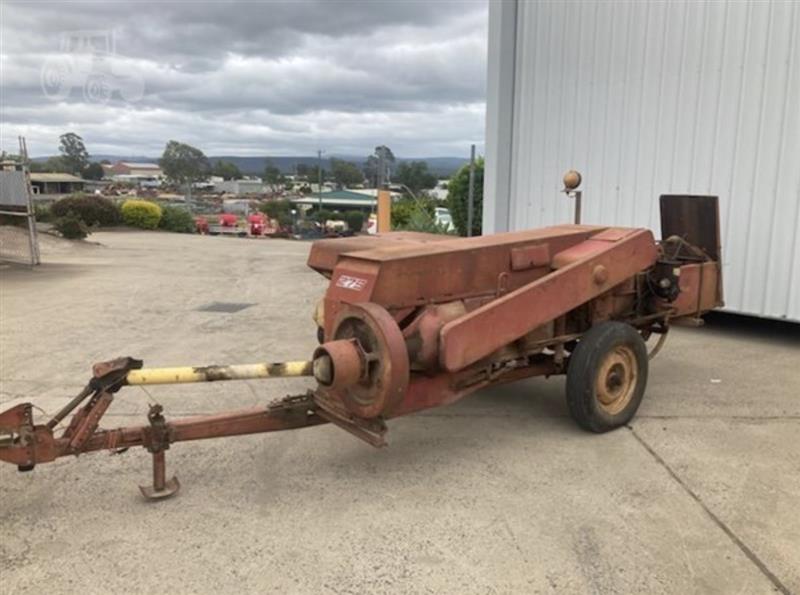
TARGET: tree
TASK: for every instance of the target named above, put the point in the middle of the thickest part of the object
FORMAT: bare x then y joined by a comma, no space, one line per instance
314,175
322,215
273,176
226,170
302,170
184,164
372,166
345,173
73,152
93,171
457,198
415,175
274,209
4,156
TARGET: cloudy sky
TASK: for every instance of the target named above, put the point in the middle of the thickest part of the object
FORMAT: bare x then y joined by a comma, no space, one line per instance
245,78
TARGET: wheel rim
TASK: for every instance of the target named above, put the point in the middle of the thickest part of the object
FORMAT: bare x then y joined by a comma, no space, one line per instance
616,380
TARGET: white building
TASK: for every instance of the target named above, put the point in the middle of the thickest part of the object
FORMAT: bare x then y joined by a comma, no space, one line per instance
440,191
141,180
244,186
650,98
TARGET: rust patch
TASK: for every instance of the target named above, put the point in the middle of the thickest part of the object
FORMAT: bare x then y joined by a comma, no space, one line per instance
212,373
276,369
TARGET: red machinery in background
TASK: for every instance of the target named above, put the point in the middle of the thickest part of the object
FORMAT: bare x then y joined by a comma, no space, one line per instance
228,225
258,224
228,220
201,224
412,321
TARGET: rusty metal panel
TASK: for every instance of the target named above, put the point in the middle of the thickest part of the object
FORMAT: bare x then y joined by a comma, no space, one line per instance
693,218
508,318
651,98
413,274
700,291
526,257
325,253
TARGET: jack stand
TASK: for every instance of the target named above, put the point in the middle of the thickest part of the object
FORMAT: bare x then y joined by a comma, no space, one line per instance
158,445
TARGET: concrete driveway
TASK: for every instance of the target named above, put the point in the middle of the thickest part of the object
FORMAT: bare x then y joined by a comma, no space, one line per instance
500,493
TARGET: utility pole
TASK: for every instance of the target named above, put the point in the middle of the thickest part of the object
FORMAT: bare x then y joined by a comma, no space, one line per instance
471,192
319,177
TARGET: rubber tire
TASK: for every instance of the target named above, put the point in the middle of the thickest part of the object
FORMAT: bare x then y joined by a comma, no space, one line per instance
583,367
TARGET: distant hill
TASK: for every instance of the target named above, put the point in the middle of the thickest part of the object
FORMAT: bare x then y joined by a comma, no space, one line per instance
441,166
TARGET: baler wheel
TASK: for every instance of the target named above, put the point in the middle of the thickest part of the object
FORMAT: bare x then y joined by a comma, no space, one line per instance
607,376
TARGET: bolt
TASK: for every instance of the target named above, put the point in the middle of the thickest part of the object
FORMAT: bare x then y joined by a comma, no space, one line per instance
600,274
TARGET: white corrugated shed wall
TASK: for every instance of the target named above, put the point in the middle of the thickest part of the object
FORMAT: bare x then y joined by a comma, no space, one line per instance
649,98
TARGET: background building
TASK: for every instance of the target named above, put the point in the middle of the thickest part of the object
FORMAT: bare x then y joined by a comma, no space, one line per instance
340,200
55,185
127,168
239,186
647,98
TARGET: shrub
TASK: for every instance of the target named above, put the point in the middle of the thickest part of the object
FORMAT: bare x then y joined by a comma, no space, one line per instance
409,209
422,219
177,219
141,213
322,215
457,198
401,212
42,213
71,227
285,220
13,221
275,208
92,209
355,220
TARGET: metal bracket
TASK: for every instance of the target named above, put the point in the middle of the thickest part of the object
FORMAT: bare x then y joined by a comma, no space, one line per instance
371,431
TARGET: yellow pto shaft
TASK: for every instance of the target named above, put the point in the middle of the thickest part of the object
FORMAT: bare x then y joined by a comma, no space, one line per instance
189,374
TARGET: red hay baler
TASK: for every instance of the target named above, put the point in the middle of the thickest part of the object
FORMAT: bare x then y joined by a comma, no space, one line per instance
412,321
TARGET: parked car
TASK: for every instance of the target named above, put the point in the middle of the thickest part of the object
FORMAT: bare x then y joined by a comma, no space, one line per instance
444,218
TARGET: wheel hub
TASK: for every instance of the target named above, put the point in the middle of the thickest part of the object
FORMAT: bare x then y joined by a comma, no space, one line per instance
616,379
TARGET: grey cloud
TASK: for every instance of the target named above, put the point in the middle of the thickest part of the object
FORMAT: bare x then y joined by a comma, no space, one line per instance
283,76
185,30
